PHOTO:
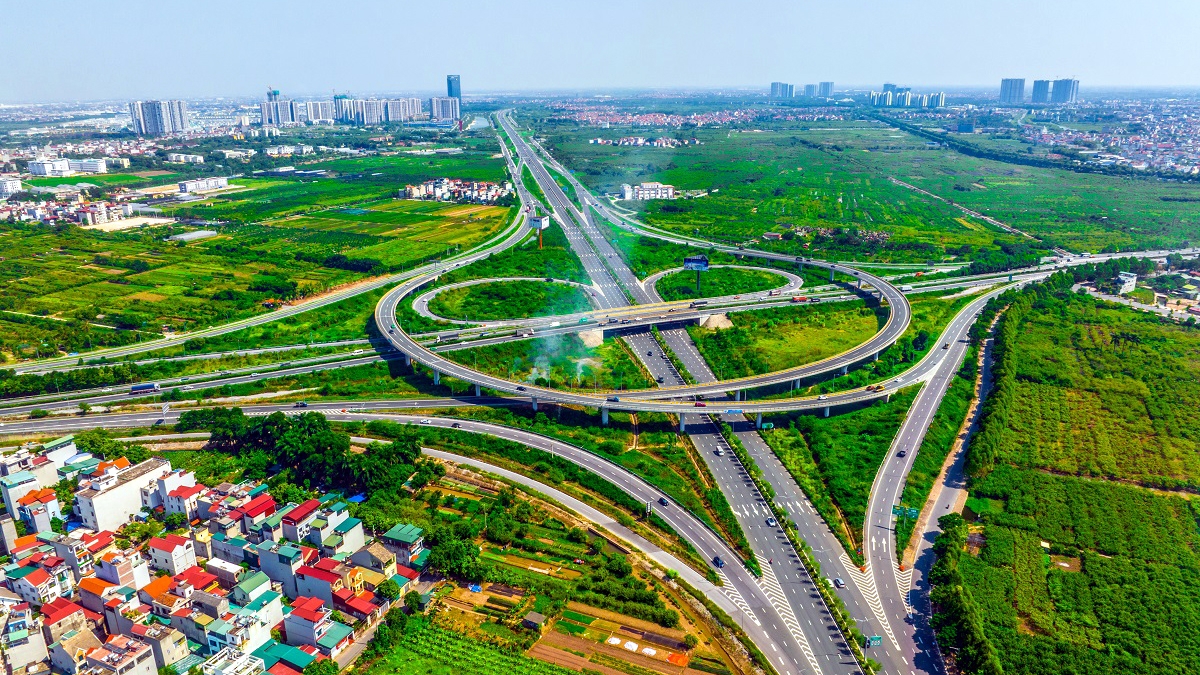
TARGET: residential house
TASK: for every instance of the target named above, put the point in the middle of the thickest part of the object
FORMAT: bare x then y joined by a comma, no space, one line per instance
185,500
251,588
94,592
60,616
39,509
34,585
122,655
167,644
172,553
124,568
298,521
309,623
21,641
15,486
231,661
406,541
375,557
109,500
69,653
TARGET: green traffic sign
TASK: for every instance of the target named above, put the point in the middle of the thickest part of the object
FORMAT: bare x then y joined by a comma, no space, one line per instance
897,510
913,513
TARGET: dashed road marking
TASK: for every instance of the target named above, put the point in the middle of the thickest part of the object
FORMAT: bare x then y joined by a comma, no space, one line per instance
866,584
735,595
770,585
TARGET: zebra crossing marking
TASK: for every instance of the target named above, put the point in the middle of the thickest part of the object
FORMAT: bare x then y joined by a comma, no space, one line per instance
866,584
736,596
770,585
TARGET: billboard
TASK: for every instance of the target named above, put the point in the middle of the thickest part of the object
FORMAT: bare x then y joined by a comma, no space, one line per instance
698,263
539,222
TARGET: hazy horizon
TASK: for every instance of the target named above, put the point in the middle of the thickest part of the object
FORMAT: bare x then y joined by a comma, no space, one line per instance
142,49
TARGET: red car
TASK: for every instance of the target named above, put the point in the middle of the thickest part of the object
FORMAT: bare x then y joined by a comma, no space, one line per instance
701,404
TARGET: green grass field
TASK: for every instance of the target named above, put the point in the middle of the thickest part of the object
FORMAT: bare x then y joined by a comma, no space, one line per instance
1091,402
558,361
768,340
716,282
101,180
837,177
509,300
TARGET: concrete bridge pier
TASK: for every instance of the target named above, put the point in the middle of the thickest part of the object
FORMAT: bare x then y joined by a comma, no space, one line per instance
845,369
534,404
603,413
758,422
682,423
827,411
476,390
437,377
875,356
831,274
408,360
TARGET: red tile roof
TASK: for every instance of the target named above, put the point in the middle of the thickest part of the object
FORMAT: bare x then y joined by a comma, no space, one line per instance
284,668
168,543
407,573
262,505
298,514
38,497
309,609
59,609
98,541
185,492
327,577
39,577
197,577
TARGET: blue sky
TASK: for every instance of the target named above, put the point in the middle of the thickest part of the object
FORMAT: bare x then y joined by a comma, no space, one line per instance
84,50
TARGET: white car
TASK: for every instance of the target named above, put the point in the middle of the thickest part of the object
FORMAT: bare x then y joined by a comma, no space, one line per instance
425,421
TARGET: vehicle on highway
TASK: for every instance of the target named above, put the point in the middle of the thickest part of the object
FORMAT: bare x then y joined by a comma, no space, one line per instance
301,404
822,397
520,388
946,346
660,379
799,298
771,522
774,293
906,288
650,353
425,421
144,388
662,501
902,453
107,389
698,303
583,319
814,299
701,404
187,387
718,562
456,425
719,452
184,379
839,583
357,351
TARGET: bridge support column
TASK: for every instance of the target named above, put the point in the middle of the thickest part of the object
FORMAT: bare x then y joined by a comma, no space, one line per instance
477,390
831,274
758,421
437,377
827,411
795,384
887,398
408,360
535,404
845,369
875,356
682,423
603,415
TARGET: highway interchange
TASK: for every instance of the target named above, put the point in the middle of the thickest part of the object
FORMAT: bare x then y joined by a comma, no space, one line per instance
781,612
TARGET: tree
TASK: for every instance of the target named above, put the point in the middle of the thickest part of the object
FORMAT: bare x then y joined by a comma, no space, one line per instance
322,667
388,589
174,521
690,641
412,601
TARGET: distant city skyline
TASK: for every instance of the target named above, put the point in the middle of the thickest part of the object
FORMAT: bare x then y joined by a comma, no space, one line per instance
671,45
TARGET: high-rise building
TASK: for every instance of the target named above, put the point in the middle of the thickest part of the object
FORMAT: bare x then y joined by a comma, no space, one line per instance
401,109
782,90
369,111
318,110
888,86
158,118
825,89
1041,91
343,108
1012,91
937,100
1064,91
810,90
453,87
443,108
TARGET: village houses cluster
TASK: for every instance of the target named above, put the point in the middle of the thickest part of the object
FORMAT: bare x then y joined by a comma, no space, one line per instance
237,583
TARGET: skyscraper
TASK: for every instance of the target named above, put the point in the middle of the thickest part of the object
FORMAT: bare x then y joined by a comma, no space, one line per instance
888,86
158,118
277,110
1012,91
453,87
782,90
1041,91
1064,91
810,90
825,89
442,109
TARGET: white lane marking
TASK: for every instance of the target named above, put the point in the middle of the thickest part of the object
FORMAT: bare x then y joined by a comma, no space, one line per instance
866,585
770,585
736,596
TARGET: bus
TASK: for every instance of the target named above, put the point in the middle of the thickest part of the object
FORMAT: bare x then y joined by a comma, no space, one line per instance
698,303
144,388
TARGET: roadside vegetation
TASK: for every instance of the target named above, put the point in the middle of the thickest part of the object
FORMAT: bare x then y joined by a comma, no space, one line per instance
559,361
1081,536
716,282
509,300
